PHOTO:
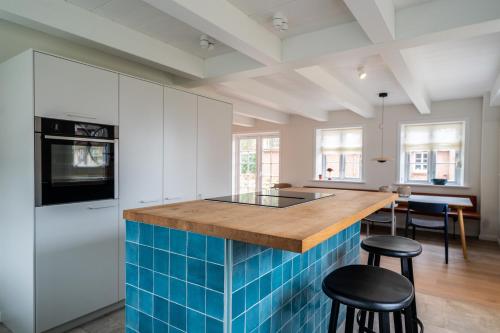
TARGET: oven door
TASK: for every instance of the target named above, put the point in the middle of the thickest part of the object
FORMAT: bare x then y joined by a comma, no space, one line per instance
75,169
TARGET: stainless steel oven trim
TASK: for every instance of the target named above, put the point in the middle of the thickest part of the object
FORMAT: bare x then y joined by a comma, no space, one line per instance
38,169
72,138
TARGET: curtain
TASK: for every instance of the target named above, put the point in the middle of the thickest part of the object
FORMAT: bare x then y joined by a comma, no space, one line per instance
431,137
342,140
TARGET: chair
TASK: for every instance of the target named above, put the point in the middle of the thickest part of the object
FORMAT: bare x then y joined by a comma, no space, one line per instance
377,217
373,289
415,207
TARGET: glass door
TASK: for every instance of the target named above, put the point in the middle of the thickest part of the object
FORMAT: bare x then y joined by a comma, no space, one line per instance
247,166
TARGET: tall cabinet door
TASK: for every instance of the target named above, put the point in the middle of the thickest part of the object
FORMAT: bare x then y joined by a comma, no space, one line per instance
180,146
140,150
214,148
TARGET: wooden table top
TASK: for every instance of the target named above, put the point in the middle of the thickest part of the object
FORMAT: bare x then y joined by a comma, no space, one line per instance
457,202
296,228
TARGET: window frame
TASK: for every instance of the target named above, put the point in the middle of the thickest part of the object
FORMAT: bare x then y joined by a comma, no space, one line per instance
461,174
320,158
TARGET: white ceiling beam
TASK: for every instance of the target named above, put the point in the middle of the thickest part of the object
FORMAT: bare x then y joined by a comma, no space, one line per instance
226,23
228,63
244,121
376,17
495,93
339,92
258,93
71,22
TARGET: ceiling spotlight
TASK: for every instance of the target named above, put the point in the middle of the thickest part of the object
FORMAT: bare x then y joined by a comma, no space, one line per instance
361,73
280,22
207,43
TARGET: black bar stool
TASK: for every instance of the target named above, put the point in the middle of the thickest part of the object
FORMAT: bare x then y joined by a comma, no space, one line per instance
372,289
396,247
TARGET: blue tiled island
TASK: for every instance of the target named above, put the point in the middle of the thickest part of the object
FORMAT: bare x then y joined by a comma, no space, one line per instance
185,281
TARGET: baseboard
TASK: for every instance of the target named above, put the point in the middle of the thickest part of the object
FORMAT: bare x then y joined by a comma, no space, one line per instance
87,318
490,238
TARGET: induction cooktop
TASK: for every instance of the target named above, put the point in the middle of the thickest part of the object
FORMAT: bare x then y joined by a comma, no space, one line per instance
273,198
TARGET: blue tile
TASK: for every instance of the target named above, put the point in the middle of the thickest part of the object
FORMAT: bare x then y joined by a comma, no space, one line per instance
196,245
215,250
196,271
214,326
239,251
265,263
215,304
239,325
145,323
252,294
252,249
178,291
162,238
131,296
161,285
276,300
174,330
132,231
195,322
178,241
277,277
146,279
145,256
287,271
265,327
296,266
146,232
276,321
265,308
132,274
178,316
196,297
132,318
277,257
215,277
131,253
178,266
146,302
252,268
159,326
161,309
252,318
161,261
238,275
238,306
265,285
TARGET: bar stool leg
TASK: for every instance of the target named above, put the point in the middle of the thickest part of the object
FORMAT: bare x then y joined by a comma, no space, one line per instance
349,320
383,322
407,271
398,324
409,321
334,316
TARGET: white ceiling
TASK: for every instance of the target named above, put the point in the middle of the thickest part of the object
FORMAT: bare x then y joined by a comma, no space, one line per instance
142,17
303,15
401,4
458,69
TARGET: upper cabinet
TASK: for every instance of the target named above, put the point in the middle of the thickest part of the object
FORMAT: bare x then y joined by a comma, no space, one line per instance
214,148
66,89
181,120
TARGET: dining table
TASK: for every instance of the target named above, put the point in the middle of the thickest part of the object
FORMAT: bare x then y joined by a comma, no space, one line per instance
457,203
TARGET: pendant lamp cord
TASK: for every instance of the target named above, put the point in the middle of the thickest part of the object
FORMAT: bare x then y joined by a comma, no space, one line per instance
382,128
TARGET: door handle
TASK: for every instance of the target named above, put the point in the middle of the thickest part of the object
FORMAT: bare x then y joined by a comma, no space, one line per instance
78,115
100,207
173,198
148,201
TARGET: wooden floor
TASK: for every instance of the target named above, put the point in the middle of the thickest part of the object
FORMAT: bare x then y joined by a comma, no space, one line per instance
461,297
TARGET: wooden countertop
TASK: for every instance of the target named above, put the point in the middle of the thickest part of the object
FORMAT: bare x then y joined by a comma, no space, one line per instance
297,228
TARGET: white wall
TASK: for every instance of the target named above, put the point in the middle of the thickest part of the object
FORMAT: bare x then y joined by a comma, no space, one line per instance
15,39
297,145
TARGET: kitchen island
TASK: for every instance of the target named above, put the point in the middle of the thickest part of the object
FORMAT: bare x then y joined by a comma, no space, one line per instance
208,266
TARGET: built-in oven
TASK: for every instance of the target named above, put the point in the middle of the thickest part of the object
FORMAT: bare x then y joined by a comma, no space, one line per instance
74,161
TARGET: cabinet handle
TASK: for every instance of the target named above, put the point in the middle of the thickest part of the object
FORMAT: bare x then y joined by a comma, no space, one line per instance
173,198
100,207
148,201
78,115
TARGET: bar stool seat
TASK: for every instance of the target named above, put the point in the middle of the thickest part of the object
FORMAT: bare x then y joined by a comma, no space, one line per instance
368,288
392,246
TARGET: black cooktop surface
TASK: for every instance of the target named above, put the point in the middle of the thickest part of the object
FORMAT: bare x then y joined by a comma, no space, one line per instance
272,198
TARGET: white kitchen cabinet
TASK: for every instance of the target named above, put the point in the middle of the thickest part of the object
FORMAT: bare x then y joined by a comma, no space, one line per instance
76,251
69,90
181,111
214,148
140,150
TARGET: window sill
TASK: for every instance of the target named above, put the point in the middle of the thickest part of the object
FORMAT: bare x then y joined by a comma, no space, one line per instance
431,185
338,181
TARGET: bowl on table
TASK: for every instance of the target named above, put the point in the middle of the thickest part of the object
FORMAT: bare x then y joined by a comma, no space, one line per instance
439,181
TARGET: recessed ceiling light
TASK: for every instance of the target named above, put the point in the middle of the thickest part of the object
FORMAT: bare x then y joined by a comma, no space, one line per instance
207,43
361,73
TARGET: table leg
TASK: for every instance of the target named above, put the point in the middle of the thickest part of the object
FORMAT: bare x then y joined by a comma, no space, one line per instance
462,231
393,224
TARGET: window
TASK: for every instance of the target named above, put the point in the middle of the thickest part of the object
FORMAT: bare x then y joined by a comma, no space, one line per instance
432,150
257,162
339,153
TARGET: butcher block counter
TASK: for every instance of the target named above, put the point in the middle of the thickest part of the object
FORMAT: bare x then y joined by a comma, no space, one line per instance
296,228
